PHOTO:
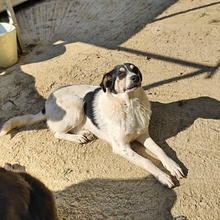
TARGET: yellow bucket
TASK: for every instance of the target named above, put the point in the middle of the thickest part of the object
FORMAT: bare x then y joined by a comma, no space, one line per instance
8,45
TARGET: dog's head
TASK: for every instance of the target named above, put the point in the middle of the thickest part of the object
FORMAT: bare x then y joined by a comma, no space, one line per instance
124,77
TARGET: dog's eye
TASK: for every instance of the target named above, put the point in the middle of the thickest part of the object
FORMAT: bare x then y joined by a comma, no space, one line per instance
121,75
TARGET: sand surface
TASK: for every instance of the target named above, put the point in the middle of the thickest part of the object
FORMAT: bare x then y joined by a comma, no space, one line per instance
176,45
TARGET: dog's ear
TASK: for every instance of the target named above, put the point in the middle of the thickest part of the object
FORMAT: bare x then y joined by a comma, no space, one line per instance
140,75
106,81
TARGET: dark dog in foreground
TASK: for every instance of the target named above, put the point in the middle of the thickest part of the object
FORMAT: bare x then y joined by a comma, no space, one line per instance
118,111
23,197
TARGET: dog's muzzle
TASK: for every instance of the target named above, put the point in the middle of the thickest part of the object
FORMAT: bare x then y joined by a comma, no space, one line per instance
135,82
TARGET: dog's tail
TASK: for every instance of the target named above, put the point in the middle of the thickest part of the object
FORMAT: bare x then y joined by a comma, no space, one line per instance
21,121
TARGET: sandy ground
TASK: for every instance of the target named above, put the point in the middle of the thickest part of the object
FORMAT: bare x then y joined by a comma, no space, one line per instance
176,45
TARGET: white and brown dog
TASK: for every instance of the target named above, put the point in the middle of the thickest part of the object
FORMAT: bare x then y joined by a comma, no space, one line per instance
118,111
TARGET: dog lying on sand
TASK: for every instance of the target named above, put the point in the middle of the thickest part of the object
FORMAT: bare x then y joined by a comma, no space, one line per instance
118,111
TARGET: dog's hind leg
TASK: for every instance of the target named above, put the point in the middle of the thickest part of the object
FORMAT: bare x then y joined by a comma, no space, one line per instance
66,117
79,138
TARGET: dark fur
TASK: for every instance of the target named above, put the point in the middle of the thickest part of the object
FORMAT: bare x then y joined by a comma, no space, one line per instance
109,78
23,197
88,106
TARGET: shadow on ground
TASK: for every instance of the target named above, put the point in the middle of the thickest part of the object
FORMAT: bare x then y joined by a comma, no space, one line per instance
98,22
141,199
18,95
168,119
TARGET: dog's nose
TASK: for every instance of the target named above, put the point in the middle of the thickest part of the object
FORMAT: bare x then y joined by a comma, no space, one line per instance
135,78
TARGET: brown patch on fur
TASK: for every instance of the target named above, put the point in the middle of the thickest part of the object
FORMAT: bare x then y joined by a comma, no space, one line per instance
132,66
122,69
105,79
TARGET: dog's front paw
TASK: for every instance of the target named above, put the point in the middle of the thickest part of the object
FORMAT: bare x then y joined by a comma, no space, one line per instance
165,180
173,168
